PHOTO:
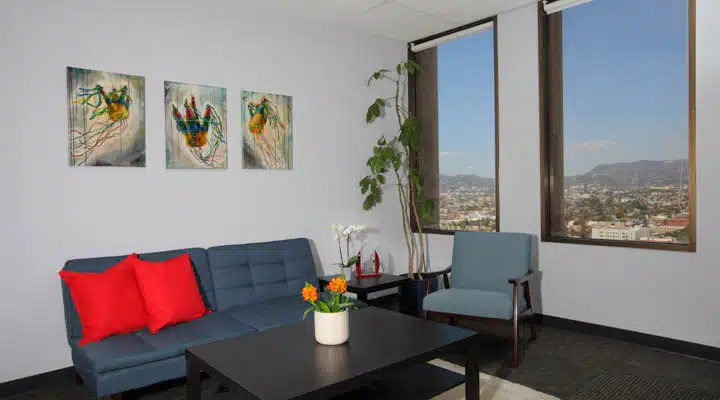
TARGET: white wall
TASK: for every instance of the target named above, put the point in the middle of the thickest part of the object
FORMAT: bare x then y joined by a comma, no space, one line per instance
50,212
663,293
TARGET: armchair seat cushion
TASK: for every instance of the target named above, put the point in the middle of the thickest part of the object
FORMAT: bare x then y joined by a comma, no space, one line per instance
472,302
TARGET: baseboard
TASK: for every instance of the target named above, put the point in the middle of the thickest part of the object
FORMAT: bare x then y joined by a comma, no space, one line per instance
53,378
659,342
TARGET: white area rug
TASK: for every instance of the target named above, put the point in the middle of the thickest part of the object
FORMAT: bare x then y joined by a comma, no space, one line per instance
491,388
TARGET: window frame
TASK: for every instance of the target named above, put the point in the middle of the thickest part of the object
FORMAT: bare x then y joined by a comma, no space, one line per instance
545,149
412,99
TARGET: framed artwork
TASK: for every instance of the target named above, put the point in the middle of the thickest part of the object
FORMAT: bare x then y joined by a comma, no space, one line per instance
106,118
267,131
195,126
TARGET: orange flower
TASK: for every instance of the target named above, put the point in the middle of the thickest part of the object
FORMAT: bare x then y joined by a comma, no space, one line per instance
338,285
309,293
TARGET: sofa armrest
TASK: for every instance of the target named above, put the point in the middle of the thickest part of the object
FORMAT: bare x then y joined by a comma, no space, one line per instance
521,279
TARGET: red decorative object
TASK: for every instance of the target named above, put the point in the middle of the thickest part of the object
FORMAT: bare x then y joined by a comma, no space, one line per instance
170,291
358,268
108,303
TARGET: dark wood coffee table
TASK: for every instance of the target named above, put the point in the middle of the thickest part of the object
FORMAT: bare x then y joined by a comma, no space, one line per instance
363,286
287,363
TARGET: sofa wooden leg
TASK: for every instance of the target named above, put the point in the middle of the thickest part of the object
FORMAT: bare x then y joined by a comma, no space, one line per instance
78,379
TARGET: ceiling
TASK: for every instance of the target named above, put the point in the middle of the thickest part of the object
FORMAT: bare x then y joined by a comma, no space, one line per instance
404,20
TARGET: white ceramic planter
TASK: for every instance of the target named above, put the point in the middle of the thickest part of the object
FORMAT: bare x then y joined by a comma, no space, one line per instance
332,328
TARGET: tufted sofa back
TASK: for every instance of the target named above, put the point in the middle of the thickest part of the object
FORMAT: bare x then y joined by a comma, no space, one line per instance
250,273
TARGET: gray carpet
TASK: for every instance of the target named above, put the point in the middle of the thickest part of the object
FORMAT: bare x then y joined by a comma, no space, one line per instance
570,365
560,363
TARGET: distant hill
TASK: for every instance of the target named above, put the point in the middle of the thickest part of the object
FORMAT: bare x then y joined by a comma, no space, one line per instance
636,173
450,183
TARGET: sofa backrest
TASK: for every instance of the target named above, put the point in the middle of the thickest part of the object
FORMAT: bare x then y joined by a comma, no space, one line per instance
198,258
250,273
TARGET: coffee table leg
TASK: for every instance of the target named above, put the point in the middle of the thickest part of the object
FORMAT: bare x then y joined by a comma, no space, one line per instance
362,297
472,373
193,381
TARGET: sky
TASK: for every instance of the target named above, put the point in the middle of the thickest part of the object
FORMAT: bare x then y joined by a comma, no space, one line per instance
625,89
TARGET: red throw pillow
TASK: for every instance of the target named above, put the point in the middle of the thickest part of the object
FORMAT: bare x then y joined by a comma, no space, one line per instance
108,303
170,291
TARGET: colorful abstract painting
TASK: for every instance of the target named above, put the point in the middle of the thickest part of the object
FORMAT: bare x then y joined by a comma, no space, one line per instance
106,118
267,131
195,126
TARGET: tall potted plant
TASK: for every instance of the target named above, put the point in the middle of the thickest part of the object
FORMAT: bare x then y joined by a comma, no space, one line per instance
398,156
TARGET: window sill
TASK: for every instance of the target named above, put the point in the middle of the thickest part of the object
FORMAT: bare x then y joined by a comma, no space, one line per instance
684,247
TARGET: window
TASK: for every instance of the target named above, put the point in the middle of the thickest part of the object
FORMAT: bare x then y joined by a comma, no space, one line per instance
454,98
618,86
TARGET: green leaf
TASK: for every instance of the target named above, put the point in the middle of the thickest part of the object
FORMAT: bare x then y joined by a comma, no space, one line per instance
372,113
412,67
365,184
379,74
380,102
369,202
397,163
399,68
388,152
378,197
307,311
351,261
381,180
323,307
427,208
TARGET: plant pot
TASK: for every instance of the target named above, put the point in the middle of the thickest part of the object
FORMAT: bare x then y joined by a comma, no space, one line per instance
413,292
346,273
332,328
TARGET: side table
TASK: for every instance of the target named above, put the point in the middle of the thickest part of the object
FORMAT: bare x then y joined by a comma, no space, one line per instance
363,286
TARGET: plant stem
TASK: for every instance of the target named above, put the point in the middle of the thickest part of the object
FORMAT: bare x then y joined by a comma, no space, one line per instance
340,249
405,218
347,247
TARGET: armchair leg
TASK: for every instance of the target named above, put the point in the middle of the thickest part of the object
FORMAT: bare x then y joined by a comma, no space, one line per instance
528,296
78,379
516,328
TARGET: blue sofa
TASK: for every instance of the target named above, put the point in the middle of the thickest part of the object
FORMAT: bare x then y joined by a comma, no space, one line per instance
249,287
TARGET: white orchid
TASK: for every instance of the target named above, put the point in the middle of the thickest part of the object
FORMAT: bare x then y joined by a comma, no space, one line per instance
347,232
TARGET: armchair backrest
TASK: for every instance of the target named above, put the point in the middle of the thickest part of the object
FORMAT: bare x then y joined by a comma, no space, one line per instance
486,260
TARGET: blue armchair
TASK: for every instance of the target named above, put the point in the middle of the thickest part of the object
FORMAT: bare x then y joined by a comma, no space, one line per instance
490,279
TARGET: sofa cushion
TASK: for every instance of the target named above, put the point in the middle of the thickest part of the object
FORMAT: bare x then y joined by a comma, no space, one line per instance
272,313
252,273
100,264
471,302
141,347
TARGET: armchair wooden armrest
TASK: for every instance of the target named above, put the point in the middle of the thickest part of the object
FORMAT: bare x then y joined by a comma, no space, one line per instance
445,274
521,279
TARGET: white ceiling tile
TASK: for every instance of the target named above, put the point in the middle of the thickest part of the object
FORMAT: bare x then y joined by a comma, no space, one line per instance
321,9
437,7
399,22
483,9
